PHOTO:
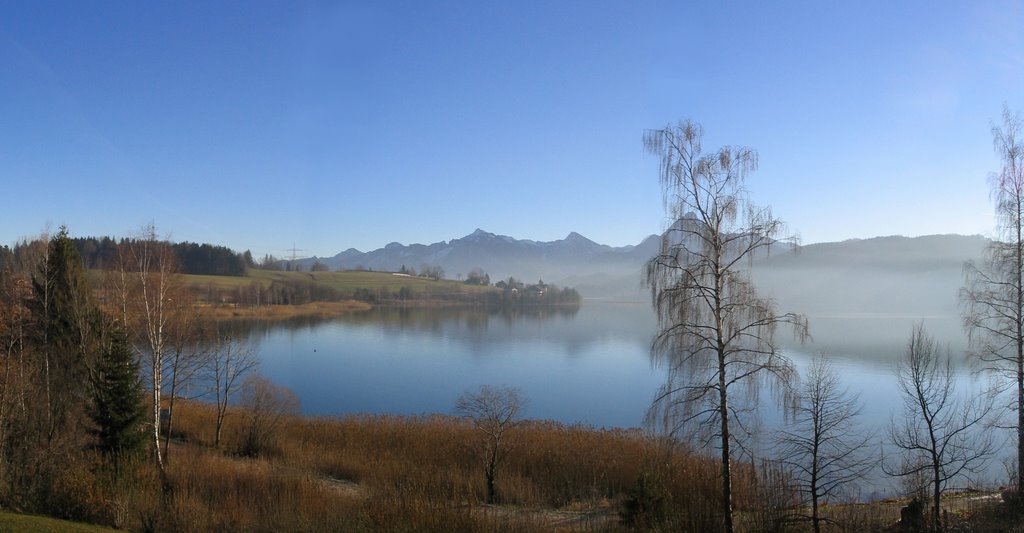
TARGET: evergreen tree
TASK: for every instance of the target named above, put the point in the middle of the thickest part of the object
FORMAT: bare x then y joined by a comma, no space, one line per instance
116,408
64,317
61,341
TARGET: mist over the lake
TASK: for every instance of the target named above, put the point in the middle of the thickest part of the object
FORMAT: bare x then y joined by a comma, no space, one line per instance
864,295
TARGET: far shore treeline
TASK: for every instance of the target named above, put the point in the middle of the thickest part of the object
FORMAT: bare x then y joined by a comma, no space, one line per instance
218,275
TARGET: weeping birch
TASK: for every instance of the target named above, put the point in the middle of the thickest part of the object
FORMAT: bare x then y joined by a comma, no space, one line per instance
717,335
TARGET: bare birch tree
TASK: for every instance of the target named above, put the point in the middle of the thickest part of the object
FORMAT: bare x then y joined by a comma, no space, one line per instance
993,297
824,446
187,354
228,363
716,333
939,432
493,410
144,279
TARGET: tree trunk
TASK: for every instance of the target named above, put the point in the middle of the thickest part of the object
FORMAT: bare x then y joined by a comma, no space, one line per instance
49,402
170,421
1019,266
1020,415
937,496
490,486
815,519
723,395
220,425
156,421
726,468
490,471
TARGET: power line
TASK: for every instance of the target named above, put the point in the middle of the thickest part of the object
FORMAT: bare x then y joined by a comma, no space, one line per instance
294,252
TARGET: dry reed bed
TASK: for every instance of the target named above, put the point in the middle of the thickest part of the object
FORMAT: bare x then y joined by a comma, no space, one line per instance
388,473
415,473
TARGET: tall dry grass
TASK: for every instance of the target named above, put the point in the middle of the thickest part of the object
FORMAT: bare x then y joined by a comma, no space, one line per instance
388,473
422,473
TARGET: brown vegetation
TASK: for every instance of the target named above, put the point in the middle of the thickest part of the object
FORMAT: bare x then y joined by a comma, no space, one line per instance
397,473
386,473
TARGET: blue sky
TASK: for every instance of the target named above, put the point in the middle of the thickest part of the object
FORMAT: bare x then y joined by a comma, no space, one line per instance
331,125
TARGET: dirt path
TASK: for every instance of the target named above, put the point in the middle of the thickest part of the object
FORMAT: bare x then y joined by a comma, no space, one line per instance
574,517
343,487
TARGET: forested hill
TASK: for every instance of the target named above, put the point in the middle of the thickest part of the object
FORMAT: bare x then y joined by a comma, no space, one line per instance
203,259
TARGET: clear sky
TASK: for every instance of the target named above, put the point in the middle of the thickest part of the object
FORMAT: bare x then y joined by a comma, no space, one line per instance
329,125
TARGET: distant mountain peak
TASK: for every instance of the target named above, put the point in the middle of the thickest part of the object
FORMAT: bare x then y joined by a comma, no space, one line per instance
577,241
477,236
573,236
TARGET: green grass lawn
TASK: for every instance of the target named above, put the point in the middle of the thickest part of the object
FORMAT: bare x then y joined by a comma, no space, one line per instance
24,523
346,283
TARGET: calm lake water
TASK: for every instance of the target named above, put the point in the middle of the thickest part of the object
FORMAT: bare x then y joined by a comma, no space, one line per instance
590,365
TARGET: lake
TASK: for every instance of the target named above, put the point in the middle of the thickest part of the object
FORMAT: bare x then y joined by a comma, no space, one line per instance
590,365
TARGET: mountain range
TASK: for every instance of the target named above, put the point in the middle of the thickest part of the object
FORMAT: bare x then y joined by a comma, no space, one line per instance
573,261
912,276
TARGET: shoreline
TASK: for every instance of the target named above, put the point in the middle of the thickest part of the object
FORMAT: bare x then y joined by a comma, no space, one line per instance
283,311
331,309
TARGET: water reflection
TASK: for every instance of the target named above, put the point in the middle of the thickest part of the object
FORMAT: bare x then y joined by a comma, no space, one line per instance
476,326
586,364
421,318
879,336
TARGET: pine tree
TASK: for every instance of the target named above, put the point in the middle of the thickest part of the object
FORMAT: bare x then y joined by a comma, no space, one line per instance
116,408
64,317
61,343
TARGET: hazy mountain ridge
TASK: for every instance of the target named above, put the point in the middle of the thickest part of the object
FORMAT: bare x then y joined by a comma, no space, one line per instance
897,276
574,258
903,276
890,251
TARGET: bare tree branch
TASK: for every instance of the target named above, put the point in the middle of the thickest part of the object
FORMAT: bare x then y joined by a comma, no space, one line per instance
938,432
824,447
230,360
716,334
493,410
993,296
